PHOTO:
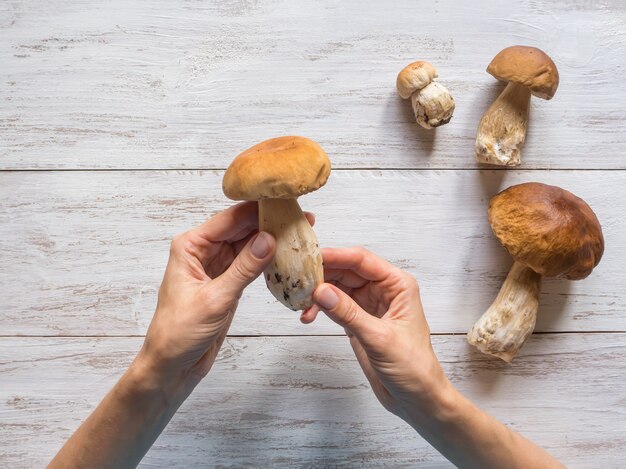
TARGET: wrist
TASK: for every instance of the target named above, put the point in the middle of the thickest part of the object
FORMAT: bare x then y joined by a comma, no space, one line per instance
433,396
435,406
144,379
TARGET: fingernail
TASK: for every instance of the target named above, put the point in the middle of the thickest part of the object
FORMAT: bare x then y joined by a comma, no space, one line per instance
261,246
326,298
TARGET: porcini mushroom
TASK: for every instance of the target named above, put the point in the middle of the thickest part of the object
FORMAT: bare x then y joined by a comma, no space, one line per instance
502,129
276,172
550,233
432,103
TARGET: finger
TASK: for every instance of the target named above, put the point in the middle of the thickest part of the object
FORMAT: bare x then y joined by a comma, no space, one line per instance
342,309
349,278
248,265
239,245
230,225
363,262
309,315
310,217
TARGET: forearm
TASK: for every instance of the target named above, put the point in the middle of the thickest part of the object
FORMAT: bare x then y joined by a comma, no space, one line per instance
470,438
126,423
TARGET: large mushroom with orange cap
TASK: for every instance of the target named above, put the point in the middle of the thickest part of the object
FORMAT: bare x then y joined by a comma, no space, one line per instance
502,129
550,233
276,172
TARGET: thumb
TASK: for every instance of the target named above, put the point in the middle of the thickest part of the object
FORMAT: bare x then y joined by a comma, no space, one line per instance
248,265
344,311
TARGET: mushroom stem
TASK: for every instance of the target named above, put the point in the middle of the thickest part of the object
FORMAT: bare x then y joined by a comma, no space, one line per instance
502,129
433,105
296,269
510,319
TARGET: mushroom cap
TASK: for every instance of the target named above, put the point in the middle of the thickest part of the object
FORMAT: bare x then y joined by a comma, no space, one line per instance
547,229
414,77
527,66
278,168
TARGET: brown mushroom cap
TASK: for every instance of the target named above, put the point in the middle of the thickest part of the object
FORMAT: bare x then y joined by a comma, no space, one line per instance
527,66
279,168
414,77
548,229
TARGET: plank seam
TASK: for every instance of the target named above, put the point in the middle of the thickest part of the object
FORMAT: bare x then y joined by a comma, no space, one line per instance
365,168
436,334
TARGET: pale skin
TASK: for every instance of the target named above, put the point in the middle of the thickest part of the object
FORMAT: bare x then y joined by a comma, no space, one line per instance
377,304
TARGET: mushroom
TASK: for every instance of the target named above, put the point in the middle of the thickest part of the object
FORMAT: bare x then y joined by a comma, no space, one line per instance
432,103
502,129
276,172
550,233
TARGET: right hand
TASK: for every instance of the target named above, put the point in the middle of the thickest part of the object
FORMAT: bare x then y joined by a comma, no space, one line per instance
380,309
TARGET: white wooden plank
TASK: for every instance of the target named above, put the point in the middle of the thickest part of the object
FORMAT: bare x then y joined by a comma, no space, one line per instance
83,253
303,402
185,84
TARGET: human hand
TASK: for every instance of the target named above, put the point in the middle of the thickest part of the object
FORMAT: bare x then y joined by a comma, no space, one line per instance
208,268
379,306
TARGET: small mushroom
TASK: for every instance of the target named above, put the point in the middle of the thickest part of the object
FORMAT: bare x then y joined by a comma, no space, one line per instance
276,172
549,232
432,103
502,129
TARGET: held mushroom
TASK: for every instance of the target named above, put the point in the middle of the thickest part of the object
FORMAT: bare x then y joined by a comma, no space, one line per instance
549,232
502,129
276,172
432,103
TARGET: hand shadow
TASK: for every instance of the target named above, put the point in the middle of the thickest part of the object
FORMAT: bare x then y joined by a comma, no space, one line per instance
492,181
283,415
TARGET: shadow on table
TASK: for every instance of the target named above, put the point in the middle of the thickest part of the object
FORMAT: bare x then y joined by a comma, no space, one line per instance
551,307
286,416
418,140
484,98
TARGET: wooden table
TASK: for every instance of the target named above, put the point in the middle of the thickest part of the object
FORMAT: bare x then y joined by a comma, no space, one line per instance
117,121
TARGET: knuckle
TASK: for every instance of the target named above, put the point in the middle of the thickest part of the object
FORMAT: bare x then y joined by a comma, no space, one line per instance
408,282
179,242
351,314
360,251
242,270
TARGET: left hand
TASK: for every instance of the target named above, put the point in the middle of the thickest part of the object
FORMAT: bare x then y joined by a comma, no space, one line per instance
207,271
380,308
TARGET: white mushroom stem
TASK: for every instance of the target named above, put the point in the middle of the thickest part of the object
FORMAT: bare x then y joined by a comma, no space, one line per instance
502,129
433,105
297,266
510,319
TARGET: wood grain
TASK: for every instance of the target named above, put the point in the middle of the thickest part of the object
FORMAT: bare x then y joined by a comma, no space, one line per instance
303,402
154,85
189,84
83,253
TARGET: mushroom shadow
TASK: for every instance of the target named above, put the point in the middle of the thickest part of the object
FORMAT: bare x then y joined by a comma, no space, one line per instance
491,181
485,97
427,137
489,369
492,266
552,302
421,140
